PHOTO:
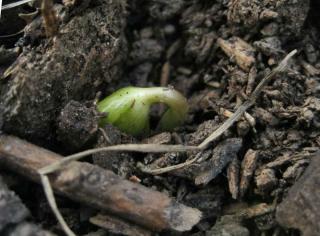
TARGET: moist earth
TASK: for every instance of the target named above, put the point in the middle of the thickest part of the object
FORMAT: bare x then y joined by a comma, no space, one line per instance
215,53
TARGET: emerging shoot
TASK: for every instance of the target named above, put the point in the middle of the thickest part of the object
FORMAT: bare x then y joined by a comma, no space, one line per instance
128,108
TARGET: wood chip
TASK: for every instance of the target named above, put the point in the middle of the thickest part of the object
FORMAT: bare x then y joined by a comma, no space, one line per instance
241,51
233,177
248,167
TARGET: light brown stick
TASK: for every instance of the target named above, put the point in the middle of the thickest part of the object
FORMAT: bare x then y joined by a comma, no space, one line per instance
99,188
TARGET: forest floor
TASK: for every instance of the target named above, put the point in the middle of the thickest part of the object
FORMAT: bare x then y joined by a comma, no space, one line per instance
215,53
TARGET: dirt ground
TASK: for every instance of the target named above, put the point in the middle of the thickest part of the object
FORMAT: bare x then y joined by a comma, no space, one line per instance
54,69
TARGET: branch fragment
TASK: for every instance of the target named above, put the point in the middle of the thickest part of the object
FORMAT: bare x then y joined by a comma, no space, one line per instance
98,188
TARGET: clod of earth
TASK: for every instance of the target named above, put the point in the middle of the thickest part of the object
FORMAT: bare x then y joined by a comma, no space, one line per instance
128,109
300,208
73,66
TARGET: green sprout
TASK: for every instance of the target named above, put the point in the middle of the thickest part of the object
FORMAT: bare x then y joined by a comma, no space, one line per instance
128,109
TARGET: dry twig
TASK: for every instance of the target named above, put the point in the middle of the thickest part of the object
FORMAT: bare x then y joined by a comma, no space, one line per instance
98,188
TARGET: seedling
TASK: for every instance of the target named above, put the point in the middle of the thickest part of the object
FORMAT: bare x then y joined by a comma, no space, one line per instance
128,109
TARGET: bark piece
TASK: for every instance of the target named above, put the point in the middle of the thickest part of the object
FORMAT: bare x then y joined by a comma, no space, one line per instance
242,52
233,172
99,188
208,169
248,167
222,155
301,208
266,180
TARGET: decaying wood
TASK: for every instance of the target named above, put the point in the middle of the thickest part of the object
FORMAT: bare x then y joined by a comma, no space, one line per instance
99,188
242,52
301,208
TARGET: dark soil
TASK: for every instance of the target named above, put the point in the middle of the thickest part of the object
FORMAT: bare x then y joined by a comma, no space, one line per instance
215,53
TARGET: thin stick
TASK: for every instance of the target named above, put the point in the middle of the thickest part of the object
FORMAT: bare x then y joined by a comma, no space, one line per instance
15,4
99,188
147,148
53,205
280,68
171,168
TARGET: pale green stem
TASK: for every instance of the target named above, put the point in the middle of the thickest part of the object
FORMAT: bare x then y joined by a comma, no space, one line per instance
128,108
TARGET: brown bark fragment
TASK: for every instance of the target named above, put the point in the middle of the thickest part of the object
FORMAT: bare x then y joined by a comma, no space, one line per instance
233,178
241,51
266,180
99,188
248,167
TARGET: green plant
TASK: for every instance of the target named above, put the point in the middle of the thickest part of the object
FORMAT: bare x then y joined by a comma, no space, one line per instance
128,108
